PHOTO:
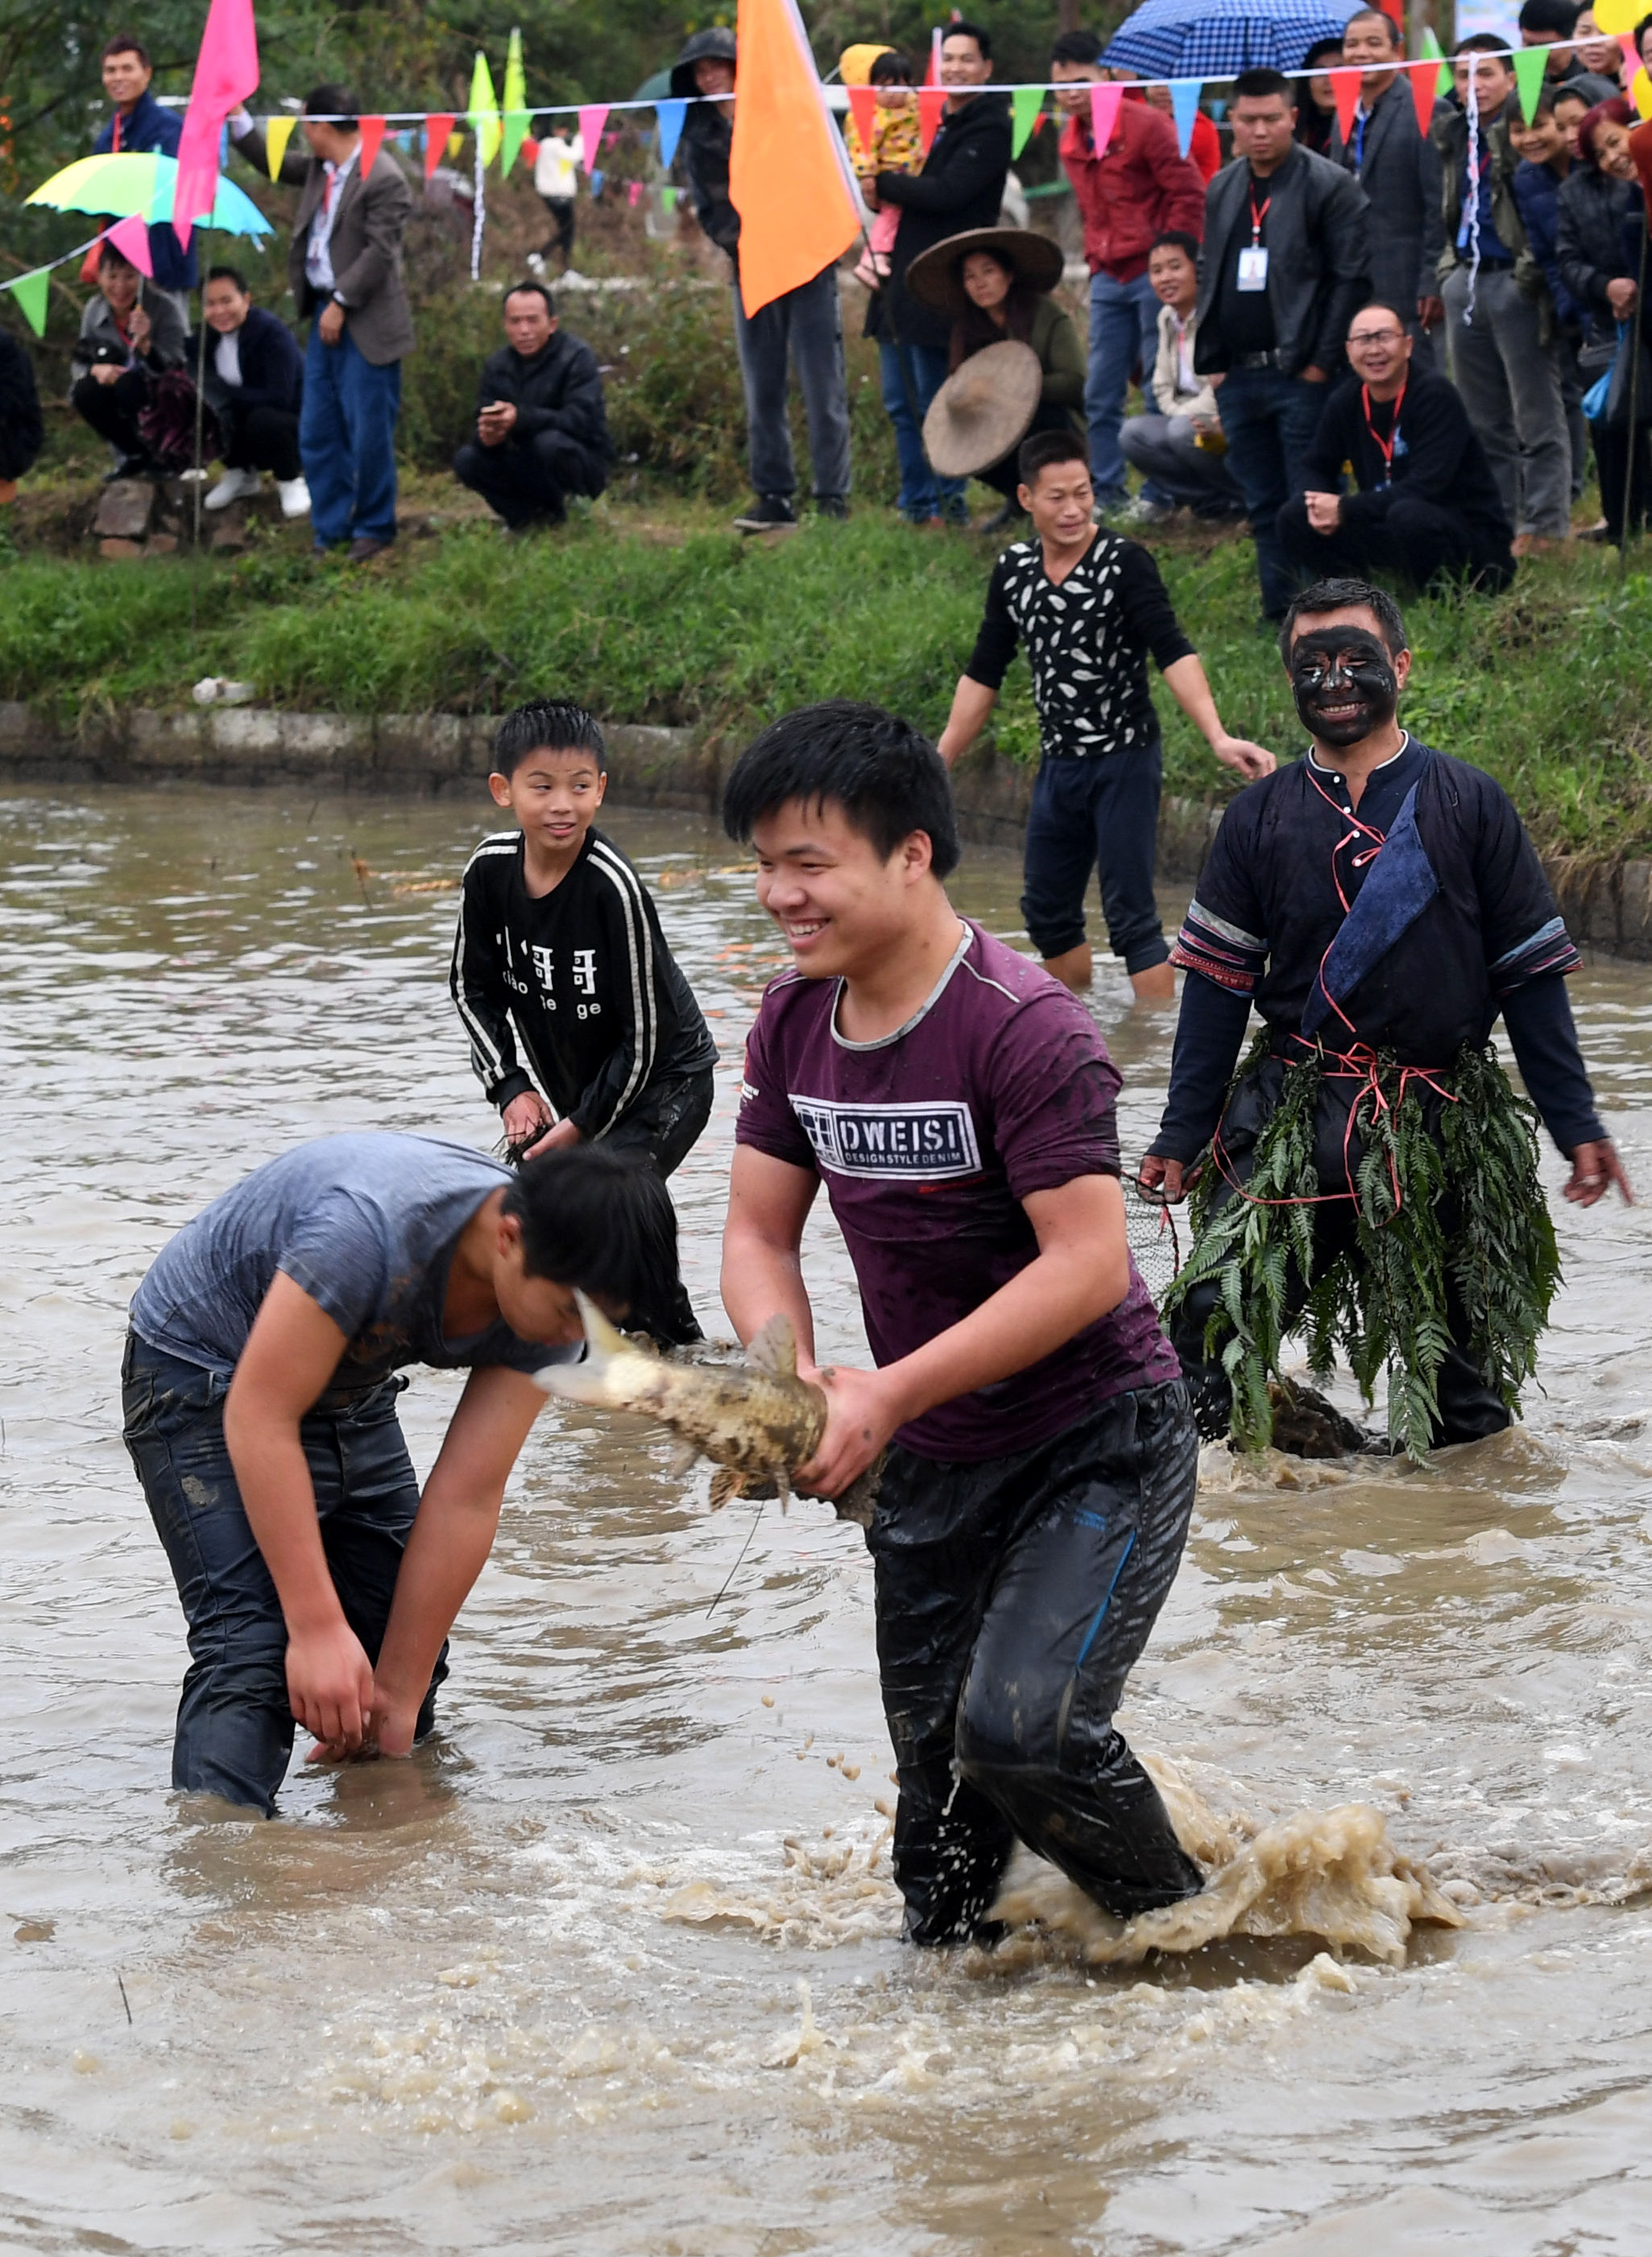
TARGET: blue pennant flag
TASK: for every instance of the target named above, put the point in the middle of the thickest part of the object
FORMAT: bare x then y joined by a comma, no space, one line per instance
670,116
1184,103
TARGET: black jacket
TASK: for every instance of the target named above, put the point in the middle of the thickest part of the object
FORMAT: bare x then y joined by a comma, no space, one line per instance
1399,169
271,366
1319,260
1451,138
560,389
1589,247
1437,458
960,186
708,138
22,433
582,977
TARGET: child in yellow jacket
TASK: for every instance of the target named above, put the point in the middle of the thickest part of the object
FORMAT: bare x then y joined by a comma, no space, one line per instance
896,145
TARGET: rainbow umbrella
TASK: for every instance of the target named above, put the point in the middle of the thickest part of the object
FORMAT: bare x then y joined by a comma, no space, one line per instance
139,184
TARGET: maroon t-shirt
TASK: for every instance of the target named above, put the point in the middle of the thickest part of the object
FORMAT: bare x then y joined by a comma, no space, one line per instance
928,1141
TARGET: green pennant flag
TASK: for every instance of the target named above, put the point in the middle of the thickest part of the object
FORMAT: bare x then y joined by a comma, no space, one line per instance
1025,103
30,291
1530,63
516,116
484,115
668,199
1433,50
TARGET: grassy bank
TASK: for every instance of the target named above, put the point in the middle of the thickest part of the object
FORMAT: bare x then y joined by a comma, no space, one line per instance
672,619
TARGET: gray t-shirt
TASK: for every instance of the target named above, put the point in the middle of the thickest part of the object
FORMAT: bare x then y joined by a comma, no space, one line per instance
367,1225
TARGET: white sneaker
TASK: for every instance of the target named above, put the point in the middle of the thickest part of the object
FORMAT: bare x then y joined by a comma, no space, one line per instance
295,496
233,485
1139,511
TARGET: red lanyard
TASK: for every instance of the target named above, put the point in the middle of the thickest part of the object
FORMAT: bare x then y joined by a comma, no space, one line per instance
1384,446
1257,217
115,146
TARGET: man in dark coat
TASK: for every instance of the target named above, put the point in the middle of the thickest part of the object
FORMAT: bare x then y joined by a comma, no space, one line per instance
1286,255
140,125
541,426
22,433
802,329
1427,503
1399,168
961,187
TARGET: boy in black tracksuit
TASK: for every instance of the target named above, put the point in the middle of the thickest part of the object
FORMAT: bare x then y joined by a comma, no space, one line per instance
559,950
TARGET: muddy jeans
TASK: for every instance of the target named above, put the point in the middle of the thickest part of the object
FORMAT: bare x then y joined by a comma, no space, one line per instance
1014,1597
235,1722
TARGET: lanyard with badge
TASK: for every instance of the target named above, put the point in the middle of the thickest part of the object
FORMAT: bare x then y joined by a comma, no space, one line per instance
1384,446
1253,263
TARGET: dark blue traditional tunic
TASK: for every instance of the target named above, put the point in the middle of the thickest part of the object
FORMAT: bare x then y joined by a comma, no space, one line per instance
1460,924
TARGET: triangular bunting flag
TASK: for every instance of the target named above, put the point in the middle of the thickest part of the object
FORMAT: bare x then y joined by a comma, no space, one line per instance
1630,53
372,139
596,183
1104,115
455,147
1026,106
932,100
277,132
1641,93
89,265
1184,108
668,199
31,291
1345,87
1423,76
1433,50
670,116
1530,64
518,117
863,108
131,238
438,132
484,115
592,118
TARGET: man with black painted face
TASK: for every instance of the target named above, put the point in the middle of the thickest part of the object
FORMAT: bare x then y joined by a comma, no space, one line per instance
1380,904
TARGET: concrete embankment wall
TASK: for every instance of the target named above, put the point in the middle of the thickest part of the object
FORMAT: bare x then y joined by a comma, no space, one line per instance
1608,906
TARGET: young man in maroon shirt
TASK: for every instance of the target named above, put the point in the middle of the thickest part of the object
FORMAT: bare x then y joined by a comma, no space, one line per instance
959,1105
1137,188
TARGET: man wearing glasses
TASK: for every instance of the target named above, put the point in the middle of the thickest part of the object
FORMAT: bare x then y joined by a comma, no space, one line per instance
1427,505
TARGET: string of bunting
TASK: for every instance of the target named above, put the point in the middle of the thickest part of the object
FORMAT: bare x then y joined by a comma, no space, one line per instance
499,122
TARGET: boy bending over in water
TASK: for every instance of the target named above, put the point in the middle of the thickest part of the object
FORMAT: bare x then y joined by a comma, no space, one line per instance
959,1103
260,1413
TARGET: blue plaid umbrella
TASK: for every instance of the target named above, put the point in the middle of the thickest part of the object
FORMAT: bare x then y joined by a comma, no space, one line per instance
1219,38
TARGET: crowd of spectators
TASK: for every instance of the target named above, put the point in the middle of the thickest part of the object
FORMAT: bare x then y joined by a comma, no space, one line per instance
1388,349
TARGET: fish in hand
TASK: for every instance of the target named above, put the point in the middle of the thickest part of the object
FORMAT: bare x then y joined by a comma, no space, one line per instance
754,1417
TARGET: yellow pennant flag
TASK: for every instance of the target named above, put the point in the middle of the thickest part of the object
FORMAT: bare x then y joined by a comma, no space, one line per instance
277,134
484,111
518,117
788,176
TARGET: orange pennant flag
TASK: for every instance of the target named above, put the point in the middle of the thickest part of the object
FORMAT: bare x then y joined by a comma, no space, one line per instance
863,103
1423,76
1345,86
438,126
789,172
372,136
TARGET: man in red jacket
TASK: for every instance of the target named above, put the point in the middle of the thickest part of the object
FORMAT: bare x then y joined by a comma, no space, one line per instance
1139,186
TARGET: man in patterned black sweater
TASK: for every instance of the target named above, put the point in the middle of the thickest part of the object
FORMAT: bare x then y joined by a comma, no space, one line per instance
1089,607
559,949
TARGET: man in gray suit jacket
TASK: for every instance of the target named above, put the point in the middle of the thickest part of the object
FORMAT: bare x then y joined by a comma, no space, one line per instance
344,268
1399,169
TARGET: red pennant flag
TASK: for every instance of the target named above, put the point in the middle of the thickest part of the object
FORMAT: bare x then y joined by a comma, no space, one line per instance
437,127
1104,114
89,265
1631,56
932,100
592,118
862,103
373,134
1345,86
226,74
1424,78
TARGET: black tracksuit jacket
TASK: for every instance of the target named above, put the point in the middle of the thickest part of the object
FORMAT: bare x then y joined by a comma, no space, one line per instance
581,979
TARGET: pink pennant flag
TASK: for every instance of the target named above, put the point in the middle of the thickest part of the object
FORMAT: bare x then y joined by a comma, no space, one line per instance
226,75
633,191
131,238
1346,86
1104,114
438,125
591,119
373,135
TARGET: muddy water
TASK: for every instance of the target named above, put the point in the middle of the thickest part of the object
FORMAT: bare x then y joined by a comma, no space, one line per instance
611,1967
